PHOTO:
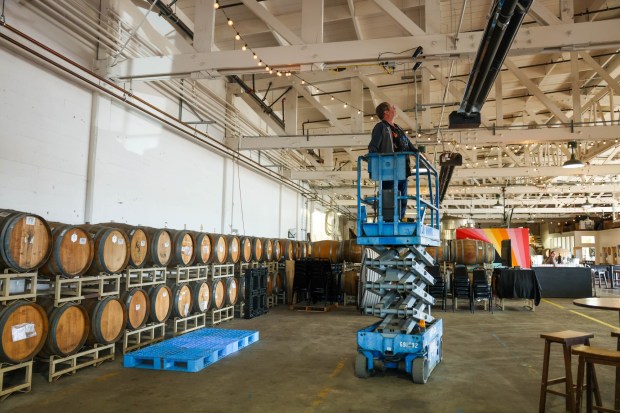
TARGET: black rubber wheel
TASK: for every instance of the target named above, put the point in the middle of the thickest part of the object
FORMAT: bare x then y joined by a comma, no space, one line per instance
361,366
420,370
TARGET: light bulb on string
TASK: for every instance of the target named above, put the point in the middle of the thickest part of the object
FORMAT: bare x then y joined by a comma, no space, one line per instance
279,73
260,62
345,105
254,56
216,5
332,98
230,22
359,112
244,47
267,68
237,36
303,82
270,71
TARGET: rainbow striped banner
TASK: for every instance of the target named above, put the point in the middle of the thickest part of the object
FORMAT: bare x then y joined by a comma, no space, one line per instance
519,237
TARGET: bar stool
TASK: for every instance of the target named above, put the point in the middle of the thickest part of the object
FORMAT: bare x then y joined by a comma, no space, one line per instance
567,339
588,357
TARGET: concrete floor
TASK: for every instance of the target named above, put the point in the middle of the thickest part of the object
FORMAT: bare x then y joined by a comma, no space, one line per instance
304,363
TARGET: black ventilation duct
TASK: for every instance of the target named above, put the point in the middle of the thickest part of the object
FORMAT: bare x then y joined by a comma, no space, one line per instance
504,22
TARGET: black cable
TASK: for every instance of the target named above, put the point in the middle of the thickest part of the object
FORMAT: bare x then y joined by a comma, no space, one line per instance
2,19
404,51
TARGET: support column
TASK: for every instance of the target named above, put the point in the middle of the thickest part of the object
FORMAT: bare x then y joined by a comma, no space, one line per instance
432,22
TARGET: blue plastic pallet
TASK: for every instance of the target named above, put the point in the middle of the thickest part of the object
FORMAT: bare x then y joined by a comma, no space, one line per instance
191,352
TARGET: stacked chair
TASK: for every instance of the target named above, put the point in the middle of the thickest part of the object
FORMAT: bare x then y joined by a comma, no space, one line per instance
461,287
438,290
481,289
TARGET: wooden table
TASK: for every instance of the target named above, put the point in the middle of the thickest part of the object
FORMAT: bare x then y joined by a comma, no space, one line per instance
611,304
600,303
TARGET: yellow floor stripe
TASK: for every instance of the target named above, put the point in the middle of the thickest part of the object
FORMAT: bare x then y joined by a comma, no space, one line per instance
594,319
320,397
337,370
552,303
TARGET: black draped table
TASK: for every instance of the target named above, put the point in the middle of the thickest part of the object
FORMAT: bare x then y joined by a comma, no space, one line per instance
516,283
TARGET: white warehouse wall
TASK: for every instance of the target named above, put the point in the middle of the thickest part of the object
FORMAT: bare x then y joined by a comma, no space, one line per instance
144,172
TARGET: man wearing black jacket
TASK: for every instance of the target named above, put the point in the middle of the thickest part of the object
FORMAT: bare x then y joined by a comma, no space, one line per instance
388,137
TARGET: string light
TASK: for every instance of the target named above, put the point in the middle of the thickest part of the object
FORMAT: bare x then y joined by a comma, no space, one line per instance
230,22
216,5
244,47
260,62
237,36
254,56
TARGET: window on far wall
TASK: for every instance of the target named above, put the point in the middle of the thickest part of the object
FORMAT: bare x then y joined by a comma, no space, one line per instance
588,239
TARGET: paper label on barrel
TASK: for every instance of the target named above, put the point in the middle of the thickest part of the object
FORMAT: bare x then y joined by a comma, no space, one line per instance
205,249
142,243
82,241
114,239
30,220
23,331
186,310
165,294
137,307
183,293
121,241
166,244
204,305
74,237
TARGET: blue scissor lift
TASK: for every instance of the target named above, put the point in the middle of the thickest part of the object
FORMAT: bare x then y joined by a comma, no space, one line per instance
407,337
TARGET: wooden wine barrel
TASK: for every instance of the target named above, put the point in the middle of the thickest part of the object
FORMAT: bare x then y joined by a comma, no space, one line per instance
160,297
232,291
277,250
24,329
111,249
234,249
25,240
351,251
182,248
241,280
288,250
138,307
296,250
257,249
308,249
138,243
269,284
220,248
246,249
69,326
160,247
181,300
269,249
279,282
440,253
331,250
471,251
107,320
201,296
218,291
72,251
202,247
350,281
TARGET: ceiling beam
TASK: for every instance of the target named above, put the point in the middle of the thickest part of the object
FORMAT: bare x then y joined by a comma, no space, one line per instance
324,111
548,39
271,21
489,172
401,18
464,137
